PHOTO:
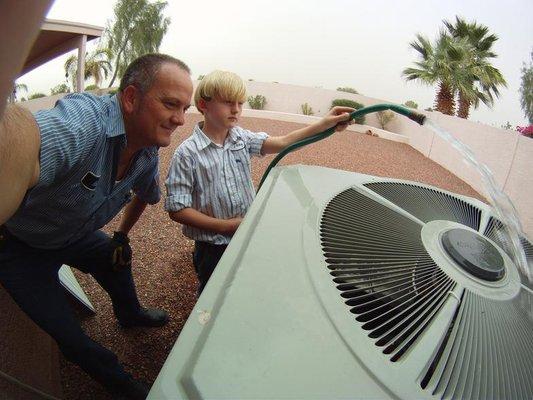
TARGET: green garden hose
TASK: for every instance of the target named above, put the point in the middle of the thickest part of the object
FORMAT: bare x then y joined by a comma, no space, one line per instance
419,118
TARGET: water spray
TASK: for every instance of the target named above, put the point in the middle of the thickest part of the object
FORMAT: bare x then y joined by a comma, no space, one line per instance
500,201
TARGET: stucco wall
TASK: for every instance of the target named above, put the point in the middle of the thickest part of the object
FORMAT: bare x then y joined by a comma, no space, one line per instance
506,153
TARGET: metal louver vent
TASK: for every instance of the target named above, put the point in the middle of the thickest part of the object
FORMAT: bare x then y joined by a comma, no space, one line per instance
495,231
382,270
428,204
488,354
490,333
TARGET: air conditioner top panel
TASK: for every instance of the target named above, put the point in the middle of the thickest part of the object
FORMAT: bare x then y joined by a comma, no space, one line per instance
273,323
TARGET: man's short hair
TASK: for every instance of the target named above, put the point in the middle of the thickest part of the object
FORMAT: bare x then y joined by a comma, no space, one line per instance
142,71
224,85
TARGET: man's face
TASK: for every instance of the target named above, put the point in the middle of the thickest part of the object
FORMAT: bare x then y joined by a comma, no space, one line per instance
162,108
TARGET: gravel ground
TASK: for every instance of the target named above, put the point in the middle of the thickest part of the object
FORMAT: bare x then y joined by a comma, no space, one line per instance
162,265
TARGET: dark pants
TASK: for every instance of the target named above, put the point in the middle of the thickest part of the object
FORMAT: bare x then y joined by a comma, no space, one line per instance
205,258
30,276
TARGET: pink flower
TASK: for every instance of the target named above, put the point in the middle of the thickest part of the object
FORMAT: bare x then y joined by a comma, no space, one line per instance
525,130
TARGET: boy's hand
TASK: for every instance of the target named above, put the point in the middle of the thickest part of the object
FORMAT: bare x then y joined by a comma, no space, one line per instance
232,224
338,117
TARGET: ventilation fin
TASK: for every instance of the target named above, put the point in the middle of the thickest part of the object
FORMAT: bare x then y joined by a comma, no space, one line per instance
487,353
495,231
428,204
382,270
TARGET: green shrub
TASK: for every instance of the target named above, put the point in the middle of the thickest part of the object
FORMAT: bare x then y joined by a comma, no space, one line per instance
200,77
36,96
347,90
306,109
350,103
411,104
91,87
112,91
384,117
61,88
257,102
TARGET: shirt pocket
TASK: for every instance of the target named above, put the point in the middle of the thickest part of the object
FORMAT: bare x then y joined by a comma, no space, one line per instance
239,156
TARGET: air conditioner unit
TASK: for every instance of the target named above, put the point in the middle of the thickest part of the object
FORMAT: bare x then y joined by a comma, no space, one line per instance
347,286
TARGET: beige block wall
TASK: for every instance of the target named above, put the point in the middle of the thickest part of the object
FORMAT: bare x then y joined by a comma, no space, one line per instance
506,153
519,185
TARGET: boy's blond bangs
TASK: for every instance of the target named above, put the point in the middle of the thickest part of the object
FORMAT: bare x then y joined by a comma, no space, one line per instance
224,85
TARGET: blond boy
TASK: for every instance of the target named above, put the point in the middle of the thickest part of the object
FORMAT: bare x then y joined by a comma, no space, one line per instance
209,185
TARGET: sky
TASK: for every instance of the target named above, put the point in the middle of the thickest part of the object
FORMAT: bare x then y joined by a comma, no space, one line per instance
362,44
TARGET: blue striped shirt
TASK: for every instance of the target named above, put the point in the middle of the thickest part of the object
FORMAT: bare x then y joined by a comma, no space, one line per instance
215,180
81,140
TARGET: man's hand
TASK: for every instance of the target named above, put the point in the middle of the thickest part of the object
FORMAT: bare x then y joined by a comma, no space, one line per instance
121,251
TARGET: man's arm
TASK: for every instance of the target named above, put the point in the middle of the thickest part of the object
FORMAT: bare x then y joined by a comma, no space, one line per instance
191,217
132,213
337,116
19,158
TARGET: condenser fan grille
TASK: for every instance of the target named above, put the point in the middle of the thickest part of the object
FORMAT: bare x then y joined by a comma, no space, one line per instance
382,270
495,230
488,353
385,275
428,204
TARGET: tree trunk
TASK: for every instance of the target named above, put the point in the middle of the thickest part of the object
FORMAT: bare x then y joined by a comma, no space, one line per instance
115,72
464,107
445,102
119,54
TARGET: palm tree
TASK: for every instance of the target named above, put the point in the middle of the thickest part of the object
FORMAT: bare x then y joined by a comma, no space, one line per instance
97,66
439,64
481,80
16,89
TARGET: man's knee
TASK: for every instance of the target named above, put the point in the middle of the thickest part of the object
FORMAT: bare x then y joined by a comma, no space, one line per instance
83,351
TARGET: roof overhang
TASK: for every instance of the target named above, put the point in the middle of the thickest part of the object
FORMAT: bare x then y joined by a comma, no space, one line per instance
57,38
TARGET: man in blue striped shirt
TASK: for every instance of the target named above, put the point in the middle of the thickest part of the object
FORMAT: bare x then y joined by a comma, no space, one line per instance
65,173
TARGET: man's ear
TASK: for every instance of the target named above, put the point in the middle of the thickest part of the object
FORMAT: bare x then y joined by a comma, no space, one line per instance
129,98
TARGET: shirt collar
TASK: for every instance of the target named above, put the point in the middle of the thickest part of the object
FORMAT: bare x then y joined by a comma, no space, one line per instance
202,140
114,125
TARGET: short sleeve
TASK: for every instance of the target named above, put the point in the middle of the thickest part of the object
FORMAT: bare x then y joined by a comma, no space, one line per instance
69,131
254,141
180,182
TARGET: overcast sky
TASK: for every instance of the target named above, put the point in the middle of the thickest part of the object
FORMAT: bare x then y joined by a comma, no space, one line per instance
322,43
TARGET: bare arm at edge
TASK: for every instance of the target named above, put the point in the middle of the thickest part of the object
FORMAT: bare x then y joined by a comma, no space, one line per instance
132,213
19,158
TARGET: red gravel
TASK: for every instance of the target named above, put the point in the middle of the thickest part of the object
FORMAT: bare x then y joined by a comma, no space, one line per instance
163,268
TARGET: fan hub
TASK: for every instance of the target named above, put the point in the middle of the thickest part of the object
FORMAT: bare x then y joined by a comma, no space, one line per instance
474,254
